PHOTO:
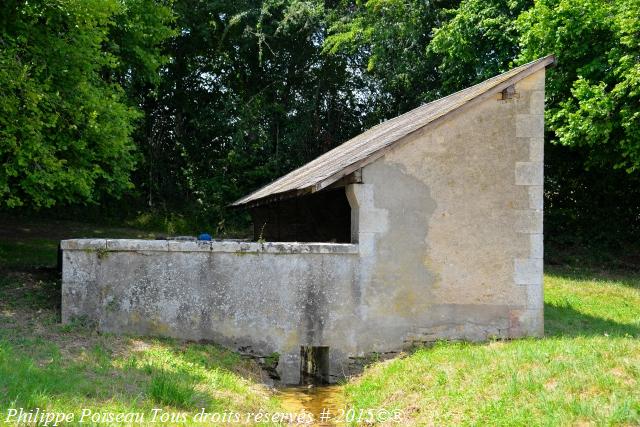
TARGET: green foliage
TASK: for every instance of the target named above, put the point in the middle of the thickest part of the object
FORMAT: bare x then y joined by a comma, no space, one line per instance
592,114
65,125
591,209
595,91
478,41
198,103
386,42
137,38
248,96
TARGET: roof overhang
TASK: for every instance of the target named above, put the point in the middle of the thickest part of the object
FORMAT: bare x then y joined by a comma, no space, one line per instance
339,174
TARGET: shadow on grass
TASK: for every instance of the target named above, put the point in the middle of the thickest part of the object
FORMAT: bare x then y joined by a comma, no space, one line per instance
36,288
47,380
28,254
564,320
66,365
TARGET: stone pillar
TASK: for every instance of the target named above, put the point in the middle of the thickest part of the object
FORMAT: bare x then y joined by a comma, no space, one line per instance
366,219
529,321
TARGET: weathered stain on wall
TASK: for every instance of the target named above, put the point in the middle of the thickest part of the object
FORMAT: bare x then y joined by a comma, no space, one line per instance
446,233
256,298
460,255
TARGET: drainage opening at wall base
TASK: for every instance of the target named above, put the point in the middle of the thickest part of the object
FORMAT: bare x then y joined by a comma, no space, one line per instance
314,365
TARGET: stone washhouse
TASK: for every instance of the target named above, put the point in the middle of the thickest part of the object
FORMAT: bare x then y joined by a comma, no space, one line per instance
427,226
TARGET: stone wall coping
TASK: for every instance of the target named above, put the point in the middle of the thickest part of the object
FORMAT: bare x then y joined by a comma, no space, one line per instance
231,246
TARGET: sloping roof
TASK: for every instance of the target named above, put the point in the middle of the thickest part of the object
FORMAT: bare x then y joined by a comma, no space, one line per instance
372,144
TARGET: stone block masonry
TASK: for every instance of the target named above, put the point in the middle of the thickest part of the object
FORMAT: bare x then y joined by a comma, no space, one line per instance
529,174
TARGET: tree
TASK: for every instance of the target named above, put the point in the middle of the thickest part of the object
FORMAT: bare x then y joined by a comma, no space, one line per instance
386,42
594,93
65,123
248,96
477,41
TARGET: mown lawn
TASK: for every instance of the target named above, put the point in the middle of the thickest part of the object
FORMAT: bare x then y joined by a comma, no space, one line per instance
67,368
585,372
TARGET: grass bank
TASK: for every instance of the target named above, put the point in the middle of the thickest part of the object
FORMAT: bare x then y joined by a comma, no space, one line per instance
586,371
67,368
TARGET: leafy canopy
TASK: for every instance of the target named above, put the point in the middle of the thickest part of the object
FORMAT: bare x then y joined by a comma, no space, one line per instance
594,93
65,121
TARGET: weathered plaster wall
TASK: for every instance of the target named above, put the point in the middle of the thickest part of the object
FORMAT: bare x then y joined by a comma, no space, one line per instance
256,298
450,227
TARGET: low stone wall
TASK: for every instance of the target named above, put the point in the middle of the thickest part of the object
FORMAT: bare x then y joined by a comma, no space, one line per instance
256,298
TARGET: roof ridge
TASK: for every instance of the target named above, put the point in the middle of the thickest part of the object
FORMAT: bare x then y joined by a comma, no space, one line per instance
306,178
512,70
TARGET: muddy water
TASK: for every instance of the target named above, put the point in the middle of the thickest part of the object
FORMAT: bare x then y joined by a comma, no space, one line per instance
314,399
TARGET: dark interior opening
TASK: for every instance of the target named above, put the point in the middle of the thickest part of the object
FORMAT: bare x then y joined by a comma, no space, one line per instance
319,217
314,365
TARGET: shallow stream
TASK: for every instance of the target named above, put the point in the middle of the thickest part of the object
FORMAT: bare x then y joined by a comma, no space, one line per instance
322,401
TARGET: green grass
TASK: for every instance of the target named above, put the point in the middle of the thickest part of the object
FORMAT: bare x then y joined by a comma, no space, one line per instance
586,370
45,364
28,253
105,373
